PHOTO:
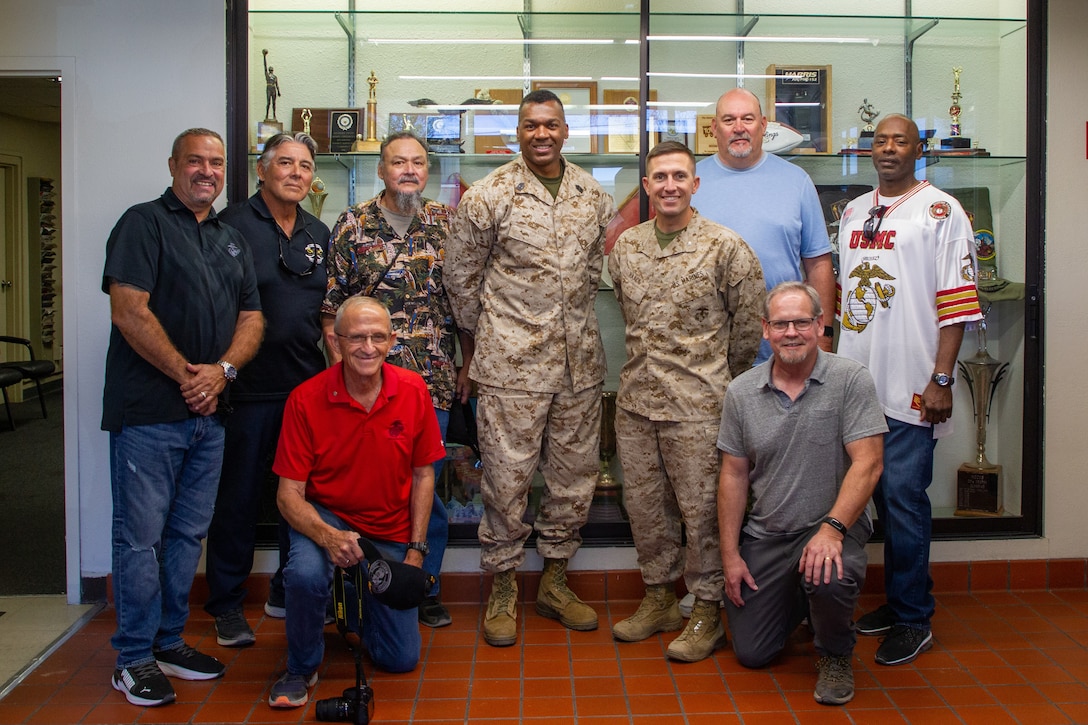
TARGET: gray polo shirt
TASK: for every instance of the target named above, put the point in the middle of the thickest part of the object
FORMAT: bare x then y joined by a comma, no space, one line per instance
796,448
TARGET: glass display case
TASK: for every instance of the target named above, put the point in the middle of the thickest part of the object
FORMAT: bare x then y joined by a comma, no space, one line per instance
631,75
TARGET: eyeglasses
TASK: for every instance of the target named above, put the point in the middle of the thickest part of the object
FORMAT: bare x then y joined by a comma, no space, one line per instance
376,338
802,325
872,224
283,262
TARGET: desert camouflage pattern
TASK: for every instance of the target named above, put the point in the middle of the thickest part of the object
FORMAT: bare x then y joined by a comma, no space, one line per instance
692,313
670,474
523,274
521,432
362,246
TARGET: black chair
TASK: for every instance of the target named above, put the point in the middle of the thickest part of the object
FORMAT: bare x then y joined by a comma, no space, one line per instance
9,377
31,369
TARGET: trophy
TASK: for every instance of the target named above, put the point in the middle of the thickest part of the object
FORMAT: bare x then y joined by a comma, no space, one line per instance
371,144
306,115
269,127
606,504
955,140
317,196
978,482
868,115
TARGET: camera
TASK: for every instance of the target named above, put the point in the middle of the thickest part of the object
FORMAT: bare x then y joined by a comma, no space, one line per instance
356,705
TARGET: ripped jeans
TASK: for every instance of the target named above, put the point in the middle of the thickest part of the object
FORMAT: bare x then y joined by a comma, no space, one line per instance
164,480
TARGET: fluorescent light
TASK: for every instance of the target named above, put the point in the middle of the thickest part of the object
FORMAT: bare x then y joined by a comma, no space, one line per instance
620,79
784,104
762,39
492,41
713,75
495,78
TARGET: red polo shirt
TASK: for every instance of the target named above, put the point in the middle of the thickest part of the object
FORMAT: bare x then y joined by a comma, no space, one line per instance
358,464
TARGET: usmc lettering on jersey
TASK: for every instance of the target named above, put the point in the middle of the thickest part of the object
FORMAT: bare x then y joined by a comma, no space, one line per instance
883,239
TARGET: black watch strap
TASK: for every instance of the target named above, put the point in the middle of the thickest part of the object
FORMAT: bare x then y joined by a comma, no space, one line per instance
836,524
829,331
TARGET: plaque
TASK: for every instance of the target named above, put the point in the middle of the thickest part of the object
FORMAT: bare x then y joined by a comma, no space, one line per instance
979,489
343,126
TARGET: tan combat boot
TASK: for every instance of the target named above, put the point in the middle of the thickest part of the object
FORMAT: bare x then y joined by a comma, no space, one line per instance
500,622
658,612
702,636
555,600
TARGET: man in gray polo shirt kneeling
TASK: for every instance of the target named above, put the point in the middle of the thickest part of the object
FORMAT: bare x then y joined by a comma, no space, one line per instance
801,438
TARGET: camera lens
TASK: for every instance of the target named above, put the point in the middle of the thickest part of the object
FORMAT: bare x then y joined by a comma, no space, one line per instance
335,709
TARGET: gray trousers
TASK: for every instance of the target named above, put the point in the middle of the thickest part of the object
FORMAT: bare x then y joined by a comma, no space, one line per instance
761,627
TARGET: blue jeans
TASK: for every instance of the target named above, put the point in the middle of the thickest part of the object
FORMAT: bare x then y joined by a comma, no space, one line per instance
904,508
391,636
252,432
164,480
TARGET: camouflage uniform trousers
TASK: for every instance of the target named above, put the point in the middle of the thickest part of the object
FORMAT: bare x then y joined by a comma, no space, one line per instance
670,476
521,431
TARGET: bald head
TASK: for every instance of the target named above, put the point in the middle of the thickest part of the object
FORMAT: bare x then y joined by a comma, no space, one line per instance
739,126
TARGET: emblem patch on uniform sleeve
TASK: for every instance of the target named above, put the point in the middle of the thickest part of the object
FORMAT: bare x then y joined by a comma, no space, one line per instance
233,249
940,209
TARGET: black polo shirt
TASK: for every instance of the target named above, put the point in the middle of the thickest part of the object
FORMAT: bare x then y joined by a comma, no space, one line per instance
199,276
291,279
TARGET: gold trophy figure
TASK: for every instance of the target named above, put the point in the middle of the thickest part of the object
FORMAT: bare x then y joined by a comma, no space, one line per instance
955,140
306,115
370,144
978,482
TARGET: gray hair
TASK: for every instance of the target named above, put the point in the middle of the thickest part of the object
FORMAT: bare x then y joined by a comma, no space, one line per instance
278,140
396,136
176,148
792,286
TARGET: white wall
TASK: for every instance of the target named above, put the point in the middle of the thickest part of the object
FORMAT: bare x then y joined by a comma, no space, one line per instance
135,73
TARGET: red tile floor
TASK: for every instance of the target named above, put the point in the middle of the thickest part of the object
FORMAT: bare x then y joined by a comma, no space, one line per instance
999,657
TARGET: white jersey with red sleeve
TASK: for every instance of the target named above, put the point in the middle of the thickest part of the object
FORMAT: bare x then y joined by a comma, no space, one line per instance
896,290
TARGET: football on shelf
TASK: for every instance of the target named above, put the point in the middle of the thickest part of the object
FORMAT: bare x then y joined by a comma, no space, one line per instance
780,138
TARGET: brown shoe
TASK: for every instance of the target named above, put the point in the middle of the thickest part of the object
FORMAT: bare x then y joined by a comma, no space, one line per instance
500,622
658,612
703,634
555,600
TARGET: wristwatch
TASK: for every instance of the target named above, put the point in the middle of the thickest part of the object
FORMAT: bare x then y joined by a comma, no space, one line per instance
943,379
420,546
229,371
829,331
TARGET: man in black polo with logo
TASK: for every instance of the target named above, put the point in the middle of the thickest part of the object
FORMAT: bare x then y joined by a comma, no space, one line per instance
288,245
186,316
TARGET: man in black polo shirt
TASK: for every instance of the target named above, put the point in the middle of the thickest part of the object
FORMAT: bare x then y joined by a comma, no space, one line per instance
186,316
288,246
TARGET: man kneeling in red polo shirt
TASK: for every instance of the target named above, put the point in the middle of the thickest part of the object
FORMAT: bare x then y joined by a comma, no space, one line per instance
354,457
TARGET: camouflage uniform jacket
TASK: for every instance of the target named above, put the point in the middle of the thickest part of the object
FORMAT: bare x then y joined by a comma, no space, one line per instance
362,246
692,312
523,276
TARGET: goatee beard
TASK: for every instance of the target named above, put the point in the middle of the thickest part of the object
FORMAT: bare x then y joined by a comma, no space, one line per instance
408,202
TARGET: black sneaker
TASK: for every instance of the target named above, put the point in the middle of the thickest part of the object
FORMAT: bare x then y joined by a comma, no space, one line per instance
232,630
143,685
433,614
878,621
902,644
835,683
275,606
186,663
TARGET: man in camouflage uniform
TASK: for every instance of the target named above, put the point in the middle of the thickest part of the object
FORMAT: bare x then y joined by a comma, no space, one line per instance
690,291
392,248
526,254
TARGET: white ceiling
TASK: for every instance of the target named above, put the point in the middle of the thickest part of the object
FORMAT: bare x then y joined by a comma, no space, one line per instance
33,98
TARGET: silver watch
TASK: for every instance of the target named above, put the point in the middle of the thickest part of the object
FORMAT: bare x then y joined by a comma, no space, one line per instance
229,371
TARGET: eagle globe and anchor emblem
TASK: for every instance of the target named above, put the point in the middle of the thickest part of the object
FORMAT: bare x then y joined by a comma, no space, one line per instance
861,304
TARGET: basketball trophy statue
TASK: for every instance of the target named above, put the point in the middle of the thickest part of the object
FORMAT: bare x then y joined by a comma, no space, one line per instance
317,195
978,482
